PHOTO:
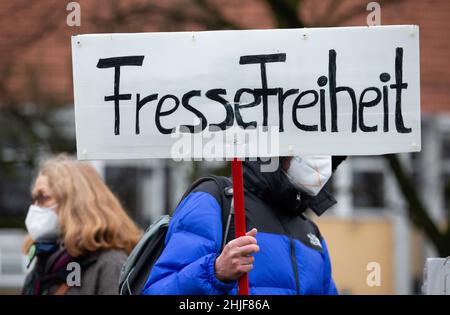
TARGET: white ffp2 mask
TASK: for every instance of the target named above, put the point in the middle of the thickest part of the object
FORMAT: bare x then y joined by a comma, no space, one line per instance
42,224
309,173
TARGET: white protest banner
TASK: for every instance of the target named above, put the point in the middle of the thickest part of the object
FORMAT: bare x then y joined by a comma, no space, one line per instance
223,94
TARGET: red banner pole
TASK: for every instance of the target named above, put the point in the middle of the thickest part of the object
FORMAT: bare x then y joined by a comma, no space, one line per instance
239,214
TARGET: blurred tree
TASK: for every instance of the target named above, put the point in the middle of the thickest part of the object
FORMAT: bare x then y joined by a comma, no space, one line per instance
438,235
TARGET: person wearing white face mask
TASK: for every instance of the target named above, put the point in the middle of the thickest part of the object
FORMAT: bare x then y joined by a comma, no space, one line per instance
309,173
283,252
42,223
74,217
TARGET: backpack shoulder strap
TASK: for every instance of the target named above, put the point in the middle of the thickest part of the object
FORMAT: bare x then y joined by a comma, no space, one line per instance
222,183
225,196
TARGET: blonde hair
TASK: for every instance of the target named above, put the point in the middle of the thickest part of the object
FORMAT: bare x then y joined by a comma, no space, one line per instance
90,216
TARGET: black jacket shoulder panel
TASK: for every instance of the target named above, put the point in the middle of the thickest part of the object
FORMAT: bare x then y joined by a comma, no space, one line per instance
211,188
267,219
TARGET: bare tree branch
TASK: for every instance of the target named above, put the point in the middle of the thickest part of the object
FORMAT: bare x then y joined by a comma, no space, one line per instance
419,214
285,13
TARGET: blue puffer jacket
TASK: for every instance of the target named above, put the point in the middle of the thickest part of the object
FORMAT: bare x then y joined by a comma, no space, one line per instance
293,257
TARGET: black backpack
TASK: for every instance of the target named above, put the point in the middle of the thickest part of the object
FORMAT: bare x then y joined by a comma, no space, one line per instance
139,264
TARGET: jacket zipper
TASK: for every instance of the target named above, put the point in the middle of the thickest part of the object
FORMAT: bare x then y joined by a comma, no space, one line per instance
294,264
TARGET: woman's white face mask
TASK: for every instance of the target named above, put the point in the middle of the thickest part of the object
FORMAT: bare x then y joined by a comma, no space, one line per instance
309,173
42,224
